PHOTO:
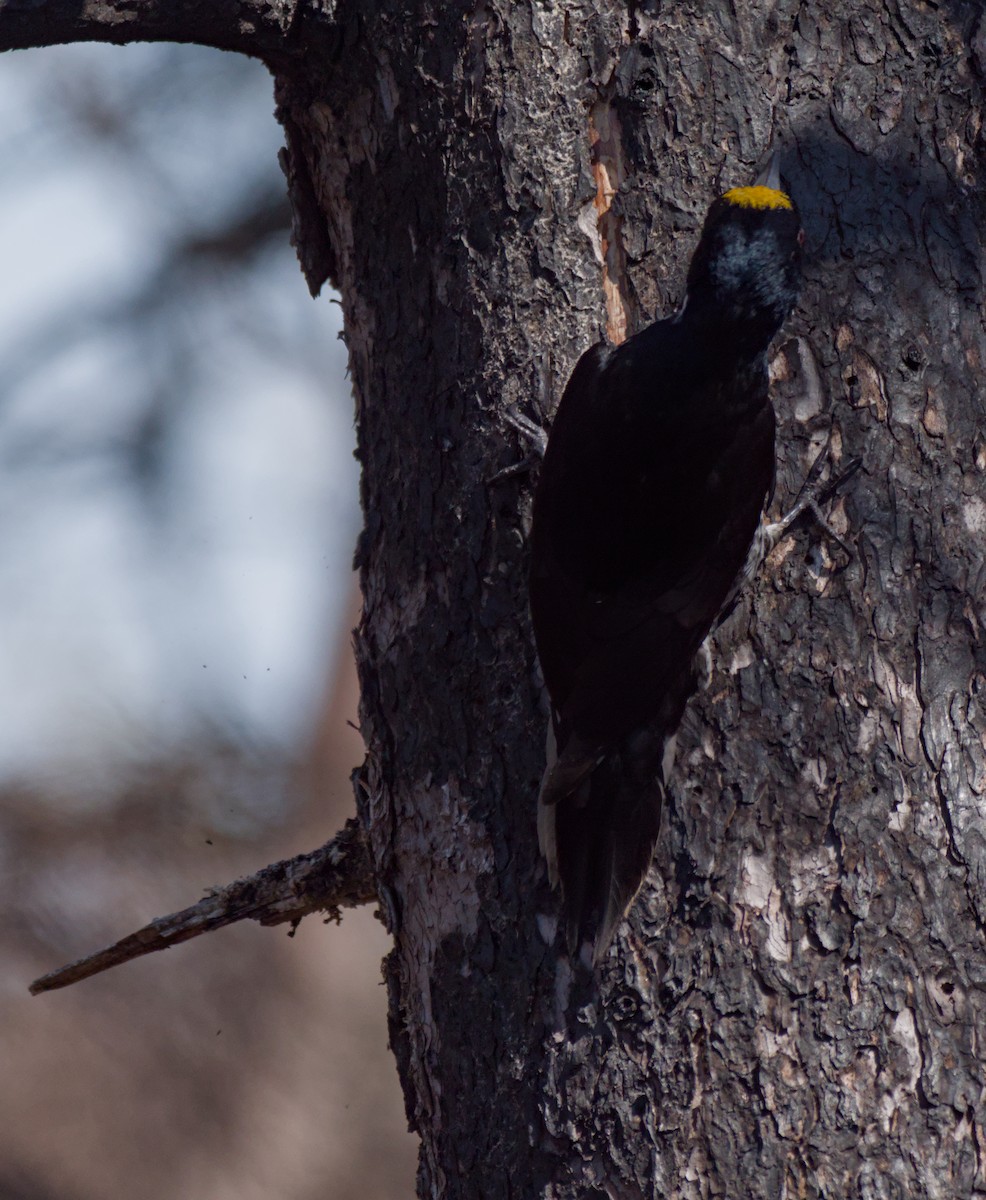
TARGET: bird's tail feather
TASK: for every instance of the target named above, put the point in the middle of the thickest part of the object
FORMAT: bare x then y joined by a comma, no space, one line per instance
598,839
635,822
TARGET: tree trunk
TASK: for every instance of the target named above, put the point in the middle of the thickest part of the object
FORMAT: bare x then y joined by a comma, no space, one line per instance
795,1007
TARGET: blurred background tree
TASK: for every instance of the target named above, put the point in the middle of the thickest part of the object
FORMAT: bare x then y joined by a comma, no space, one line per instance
177,511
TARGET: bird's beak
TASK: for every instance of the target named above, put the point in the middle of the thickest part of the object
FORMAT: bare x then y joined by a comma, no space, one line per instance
770,176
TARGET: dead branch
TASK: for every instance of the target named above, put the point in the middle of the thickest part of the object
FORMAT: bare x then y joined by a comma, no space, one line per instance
335,876
256,27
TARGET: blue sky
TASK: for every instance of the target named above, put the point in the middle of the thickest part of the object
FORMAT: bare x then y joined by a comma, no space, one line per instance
132,614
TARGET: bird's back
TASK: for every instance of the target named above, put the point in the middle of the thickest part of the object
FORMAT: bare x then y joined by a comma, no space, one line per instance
656,473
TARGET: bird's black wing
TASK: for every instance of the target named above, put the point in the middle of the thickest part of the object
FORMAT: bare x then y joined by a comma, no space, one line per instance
650,494
644,514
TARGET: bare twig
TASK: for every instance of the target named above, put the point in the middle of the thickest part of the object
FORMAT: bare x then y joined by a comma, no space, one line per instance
337,875
252,27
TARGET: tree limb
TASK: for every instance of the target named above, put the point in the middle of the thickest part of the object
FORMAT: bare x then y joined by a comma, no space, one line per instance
261,28
337,875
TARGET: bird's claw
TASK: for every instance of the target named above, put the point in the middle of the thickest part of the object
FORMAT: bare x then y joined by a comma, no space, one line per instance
528,429
531,432
809,503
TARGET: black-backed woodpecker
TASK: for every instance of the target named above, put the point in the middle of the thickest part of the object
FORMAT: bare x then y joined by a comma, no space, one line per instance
647,518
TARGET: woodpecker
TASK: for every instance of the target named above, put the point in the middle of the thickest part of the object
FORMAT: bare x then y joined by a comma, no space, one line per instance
647,518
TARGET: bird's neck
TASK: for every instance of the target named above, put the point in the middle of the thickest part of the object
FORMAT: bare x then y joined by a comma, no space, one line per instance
730,333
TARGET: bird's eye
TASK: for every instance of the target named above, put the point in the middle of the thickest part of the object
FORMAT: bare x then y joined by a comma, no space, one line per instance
801,237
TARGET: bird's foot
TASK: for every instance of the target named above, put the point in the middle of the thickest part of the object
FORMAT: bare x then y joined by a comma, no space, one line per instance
808,505
528,429
531,432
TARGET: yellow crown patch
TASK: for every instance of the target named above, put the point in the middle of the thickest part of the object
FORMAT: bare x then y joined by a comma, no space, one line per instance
758,197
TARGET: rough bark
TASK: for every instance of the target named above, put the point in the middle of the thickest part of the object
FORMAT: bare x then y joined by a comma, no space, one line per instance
796,1005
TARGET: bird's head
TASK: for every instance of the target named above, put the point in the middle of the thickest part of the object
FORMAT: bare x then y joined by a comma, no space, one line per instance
746,270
